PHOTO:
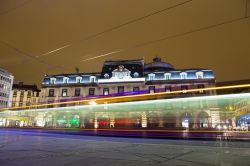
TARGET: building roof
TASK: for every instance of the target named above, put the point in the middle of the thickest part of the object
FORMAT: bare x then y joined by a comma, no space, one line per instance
5,72
72,74
158,65
21,86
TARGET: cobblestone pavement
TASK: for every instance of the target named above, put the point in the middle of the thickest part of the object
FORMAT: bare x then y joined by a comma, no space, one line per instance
19,148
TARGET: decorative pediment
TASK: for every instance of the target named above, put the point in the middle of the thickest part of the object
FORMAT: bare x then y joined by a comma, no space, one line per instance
121,73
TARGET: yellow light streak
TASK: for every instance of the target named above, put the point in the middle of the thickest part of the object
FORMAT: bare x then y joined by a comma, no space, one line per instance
129,96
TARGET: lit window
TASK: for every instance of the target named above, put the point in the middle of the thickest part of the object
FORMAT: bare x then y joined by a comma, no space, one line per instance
65,80
183,75
199,75
151,76
64,92
78,79
92,79
167,76
105,91
52,80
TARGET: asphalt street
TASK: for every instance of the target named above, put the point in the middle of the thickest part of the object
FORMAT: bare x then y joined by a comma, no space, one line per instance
19,148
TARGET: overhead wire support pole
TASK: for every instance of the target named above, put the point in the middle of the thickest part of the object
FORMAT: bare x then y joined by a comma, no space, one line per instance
246,8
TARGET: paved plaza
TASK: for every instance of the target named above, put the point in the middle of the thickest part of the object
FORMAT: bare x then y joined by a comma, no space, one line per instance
20,148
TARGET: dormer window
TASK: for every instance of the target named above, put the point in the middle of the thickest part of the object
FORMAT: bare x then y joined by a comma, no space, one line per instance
136,74
92,79
167,76
199,75
183,75
106,75
78,79
52,80
151,76
65,80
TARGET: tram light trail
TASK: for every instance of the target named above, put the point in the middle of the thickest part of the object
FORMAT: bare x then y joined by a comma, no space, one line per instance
126,98
126,118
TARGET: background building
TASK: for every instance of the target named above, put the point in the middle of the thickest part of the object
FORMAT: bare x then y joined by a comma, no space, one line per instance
24,95
6,81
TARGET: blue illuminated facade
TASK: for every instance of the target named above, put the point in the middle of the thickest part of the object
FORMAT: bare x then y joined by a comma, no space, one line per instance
126,76
155,71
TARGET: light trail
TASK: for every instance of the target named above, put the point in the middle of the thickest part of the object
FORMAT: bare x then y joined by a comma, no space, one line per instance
102,55
117,27
180,34
105,99
47,53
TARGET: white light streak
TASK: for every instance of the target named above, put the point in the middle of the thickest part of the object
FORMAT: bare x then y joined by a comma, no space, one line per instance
102,55
47,53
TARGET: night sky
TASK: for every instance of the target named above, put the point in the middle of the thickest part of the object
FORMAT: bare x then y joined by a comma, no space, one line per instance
213,34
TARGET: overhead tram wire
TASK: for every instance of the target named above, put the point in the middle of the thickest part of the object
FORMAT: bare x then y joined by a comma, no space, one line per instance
115,28
27,55
16,7
167,38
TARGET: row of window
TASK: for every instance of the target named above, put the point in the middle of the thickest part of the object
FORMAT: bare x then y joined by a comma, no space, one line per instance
4,87
5,79
22,93
4,95
92,79
21,99
21,104
3,103
183,75
120,90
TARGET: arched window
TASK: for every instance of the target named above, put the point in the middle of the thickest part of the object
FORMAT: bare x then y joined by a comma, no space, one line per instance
78,79
199,75
65,80
52,80
167,76
151,76
92,79
183,75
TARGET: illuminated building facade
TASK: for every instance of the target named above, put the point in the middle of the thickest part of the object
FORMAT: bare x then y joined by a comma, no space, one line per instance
128,77
240,109
24,95
6,81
